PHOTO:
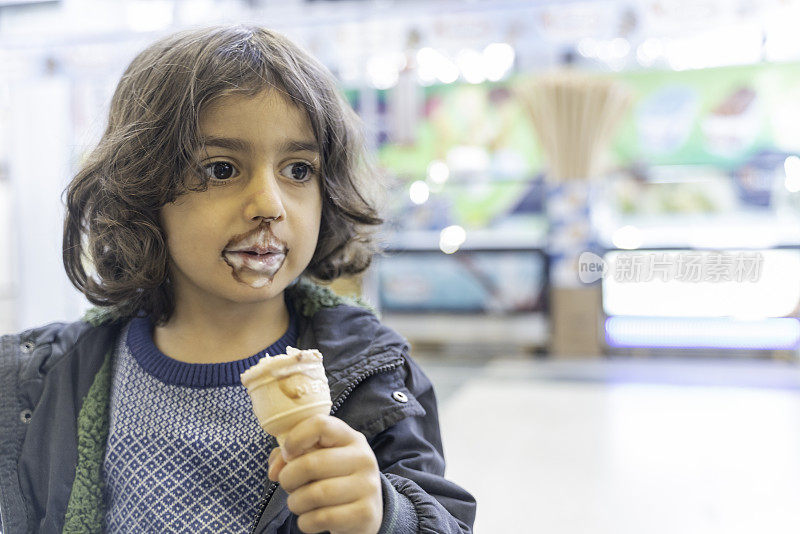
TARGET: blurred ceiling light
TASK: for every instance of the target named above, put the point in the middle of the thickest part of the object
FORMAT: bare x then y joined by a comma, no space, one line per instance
427,61
471,65
149,15
628,238
434,65
419,192
451,239
612,52
498,59
438,171
649,51
792,168
615,49
449,73
384,70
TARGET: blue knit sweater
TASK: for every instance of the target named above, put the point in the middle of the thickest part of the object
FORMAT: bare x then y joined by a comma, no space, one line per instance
185,452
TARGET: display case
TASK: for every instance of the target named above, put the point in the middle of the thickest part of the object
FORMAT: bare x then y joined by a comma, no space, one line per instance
489,292
694,266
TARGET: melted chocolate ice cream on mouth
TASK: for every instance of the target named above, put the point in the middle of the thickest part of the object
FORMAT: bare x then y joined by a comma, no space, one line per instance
256,258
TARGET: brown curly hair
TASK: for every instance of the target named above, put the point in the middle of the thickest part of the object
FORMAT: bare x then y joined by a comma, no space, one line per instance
114,247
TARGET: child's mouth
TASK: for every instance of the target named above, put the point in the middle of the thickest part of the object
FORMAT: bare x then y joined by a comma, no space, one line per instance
268,263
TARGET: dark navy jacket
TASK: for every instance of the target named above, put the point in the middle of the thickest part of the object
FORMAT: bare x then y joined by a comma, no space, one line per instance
48,373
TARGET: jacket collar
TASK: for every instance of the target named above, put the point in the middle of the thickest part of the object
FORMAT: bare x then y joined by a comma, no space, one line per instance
308,299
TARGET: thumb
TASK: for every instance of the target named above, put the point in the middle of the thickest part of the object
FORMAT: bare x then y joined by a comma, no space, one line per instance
276,464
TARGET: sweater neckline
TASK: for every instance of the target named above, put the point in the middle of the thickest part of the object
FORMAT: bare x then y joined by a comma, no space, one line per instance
198,375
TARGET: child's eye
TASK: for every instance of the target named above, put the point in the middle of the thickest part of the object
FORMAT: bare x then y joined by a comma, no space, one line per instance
220,170
299,171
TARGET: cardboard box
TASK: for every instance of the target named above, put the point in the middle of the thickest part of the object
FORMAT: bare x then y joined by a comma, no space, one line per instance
576,322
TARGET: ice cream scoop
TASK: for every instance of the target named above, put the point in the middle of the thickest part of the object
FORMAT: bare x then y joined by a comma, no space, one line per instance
286,389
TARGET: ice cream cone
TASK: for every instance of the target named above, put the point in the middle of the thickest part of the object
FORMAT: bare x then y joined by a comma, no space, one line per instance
286,389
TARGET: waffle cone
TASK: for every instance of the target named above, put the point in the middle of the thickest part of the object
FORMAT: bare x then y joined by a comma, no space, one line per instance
286,389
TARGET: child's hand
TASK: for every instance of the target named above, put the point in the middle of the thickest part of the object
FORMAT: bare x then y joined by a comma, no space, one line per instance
332,477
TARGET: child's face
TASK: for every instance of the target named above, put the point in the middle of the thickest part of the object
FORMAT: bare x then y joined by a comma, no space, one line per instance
264,195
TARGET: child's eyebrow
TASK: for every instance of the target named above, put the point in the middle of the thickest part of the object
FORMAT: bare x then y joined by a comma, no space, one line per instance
240,145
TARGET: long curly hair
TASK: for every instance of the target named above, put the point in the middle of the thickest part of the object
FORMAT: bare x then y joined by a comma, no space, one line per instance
114,248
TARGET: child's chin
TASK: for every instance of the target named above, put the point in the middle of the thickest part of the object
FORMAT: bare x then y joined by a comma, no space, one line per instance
251,282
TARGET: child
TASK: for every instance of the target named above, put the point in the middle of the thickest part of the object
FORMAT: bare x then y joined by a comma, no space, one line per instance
230,173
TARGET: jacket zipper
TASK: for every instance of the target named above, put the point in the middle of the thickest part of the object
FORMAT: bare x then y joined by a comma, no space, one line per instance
3,526
267,494
334,408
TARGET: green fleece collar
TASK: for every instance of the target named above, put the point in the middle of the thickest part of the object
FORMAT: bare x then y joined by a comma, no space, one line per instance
86,509
307,296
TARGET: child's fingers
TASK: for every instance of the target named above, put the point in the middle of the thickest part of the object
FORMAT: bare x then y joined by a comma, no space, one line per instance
276,464
322,493
317,431
323,464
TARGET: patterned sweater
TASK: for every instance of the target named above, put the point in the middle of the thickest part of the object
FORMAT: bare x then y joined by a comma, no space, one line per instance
185,452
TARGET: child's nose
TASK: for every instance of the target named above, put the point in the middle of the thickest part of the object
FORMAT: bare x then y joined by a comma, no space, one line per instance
264,199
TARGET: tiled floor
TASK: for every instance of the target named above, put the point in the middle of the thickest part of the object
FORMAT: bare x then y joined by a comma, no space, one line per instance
624,447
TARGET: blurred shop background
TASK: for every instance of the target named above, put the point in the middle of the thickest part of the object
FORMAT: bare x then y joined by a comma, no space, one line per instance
593,236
